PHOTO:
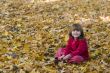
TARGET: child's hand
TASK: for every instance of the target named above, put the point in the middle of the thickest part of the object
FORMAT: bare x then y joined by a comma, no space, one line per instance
67,57
61,57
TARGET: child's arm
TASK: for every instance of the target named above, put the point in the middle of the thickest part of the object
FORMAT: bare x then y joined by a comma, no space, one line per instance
81,48
68,46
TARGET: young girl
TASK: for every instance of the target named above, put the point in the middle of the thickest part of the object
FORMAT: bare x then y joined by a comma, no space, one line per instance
76,50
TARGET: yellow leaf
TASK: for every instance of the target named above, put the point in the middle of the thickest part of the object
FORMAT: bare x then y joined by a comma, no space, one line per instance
6,33
22,71
9,57
30,38
26,48
33,71
37,71
66,38
28,66
49,69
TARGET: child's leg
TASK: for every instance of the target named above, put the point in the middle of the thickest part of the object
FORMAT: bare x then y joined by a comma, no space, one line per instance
59,53
76,59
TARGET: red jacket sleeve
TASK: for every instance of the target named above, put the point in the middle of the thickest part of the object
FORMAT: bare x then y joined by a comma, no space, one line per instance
68,46
81,48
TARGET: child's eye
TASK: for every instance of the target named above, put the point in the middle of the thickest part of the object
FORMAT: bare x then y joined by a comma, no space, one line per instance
76,30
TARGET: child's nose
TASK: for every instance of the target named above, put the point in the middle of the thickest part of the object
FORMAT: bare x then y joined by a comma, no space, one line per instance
75,31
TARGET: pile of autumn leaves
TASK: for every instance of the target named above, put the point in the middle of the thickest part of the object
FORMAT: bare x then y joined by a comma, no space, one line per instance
31,31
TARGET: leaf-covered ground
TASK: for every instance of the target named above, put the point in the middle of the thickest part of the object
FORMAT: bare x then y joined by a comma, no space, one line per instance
31,31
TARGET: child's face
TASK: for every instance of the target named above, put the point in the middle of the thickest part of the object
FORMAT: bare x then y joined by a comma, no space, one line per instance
76,33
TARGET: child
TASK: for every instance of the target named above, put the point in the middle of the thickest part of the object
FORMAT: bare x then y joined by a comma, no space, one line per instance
76,50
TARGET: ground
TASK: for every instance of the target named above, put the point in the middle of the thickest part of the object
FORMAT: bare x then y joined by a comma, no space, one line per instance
31,31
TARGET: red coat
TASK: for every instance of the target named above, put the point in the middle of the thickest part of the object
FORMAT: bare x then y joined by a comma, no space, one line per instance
77,47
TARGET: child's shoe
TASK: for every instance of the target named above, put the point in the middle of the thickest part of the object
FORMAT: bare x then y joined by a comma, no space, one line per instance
56,61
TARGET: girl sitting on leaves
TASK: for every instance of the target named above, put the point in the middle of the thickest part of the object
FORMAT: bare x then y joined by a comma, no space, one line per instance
76,50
